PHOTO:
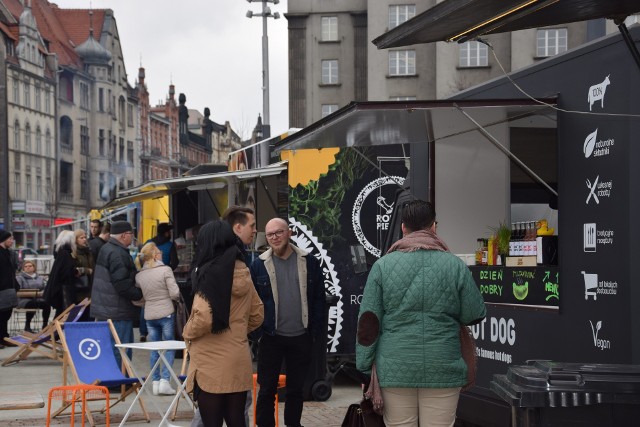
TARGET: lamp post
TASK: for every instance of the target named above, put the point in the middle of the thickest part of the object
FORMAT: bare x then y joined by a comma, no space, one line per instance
266,129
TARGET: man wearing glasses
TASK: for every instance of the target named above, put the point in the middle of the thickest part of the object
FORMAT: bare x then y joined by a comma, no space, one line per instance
114,284
291,286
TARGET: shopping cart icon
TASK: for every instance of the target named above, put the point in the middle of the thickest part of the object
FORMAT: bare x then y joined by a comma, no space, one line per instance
590,285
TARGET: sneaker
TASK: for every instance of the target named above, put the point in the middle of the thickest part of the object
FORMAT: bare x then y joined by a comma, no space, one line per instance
156,387
165,388
28,329
143,338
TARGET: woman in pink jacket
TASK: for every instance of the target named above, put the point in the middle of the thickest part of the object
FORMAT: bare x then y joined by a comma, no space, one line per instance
159,289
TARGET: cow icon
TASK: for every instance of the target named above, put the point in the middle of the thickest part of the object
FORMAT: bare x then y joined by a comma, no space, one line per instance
596,92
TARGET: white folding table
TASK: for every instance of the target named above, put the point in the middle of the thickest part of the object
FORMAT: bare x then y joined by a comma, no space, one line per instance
161,347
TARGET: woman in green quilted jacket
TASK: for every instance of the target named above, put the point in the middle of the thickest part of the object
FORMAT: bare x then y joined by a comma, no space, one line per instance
416,299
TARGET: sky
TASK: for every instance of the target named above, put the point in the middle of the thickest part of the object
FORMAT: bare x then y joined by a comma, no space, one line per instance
209,50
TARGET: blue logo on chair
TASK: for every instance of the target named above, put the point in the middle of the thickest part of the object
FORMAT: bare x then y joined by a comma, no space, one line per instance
89,349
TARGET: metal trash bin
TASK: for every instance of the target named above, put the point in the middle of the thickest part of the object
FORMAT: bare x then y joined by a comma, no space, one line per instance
546,393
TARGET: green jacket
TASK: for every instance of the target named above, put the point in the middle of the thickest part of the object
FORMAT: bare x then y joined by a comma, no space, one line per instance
420,299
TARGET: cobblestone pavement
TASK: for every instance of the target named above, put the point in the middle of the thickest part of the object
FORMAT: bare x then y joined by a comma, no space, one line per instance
39,374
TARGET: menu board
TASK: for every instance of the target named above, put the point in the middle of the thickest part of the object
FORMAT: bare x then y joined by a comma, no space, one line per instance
534,286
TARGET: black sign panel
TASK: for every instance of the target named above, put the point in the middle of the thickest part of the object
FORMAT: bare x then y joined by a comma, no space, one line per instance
537,286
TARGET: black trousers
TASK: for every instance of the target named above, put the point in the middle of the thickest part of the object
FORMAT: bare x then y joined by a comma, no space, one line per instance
296,354
5,315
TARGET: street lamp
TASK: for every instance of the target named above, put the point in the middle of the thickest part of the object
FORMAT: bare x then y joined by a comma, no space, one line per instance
266,128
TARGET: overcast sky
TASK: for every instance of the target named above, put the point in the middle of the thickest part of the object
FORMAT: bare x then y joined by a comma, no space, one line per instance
209,49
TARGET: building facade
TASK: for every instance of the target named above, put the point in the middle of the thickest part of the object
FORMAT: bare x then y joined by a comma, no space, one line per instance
72,118
30,129
333,62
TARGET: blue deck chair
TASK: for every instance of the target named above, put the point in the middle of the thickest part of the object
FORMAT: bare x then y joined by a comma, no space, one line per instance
46,342
88,350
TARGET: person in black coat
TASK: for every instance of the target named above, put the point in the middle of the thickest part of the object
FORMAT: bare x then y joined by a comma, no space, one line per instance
7,280
60,290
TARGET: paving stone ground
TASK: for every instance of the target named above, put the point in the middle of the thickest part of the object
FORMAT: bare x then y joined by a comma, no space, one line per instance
39,374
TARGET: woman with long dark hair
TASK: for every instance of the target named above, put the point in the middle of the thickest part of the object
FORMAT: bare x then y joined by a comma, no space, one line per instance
226,307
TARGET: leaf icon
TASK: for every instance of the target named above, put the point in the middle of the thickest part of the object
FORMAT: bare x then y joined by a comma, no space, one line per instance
598,325
589,143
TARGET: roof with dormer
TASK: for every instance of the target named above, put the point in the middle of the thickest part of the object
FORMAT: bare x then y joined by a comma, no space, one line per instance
62,29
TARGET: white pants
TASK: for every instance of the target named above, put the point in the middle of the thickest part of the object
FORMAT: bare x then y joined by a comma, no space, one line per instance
424,407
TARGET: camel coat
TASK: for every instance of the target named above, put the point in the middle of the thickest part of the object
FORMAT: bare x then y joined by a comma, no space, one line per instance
221,363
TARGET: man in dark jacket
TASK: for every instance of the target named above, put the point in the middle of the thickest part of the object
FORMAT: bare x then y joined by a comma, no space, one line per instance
291,286
95,229
7,280
97,243
164,243
114,284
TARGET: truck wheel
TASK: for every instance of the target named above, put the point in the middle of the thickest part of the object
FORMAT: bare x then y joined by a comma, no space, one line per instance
321,390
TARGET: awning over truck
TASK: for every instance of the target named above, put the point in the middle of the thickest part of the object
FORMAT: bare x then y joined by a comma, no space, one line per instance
362,124
162,187
460,20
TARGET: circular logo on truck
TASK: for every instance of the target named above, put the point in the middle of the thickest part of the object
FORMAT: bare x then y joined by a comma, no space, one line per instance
372,211
304,239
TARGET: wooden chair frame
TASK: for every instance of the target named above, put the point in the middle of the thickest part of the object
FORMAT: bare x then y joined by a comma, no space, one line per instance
68,365
45,343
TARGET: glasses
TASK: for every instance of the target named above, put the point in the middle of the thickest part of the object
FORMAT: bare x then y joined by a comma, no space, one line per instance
275,234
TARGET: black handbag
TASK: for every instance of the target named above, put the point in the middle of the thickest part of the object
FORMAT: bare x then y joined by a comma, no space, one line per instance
368,413
362,415
182,315
354,417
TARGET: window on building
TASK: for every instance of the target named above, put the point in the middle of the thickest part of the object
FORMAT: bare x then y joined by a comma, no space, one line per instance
102,184
27,93
66,178
121,109
47,143
66,132
130,115
121,158
330,71
402,98
329,28
16,90
328,109
48,167
84,95
84,185
38,95
551,41
47,100
402,63
16,135
38,140
16,161
130,184
84,140
28,185
101,142
27,138
39,188
17,187
101,99
49,190
400,13
130,153
474,54
66,88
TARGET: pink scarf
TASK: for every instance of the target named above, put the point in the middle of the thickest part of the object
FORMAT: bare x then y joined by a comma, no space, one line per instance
421,239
